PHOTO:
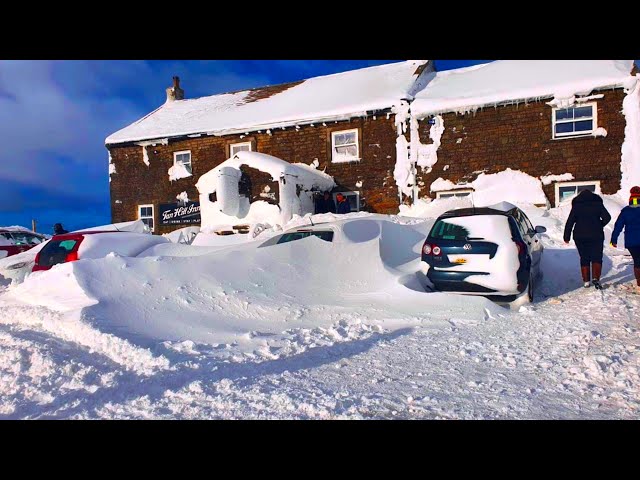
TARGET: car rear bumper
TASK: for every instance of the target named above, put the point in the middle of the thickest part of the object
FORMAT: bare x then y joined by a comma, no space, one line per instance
455,282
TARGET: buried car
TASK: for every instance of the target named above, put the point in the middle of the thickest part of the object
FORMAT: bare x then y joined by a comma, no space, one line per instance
15,240
491,251
70,247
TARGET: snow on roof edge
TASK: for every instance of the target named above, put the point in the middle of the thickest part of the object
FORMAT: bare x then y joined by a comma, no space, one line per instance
356,111
424,105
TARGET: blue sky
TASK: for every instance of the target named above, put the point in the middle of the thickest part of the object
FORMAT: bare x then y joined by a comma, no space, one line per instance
55,116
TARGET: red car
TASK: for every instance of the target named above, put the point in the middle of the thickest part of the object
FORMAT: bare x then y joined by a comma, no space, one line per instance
70,247
16,240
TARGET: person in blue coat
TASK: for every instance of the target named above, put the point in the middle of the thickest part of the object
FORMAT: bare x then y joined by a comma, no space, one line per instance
343,205
629,221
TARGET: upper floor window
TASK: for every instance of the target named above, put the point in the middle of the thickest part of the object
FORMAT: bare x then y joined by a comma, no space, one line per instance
344,146
575,121
239,147
183,158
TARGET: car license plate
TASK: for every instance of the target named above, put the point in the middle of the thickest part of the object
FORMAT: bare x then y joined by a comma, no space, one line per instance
460,260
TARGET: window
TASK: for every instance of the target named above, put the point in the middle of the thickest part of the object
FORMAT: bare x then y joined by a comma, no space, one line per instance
575,121
239,147
23,238
454,193
567,190
344,146
352,197
523,223
184,158
448,231
145,213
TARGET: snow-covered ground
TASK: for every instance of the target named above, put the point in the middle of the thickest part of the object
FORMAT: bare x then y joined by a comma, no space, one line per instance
312,329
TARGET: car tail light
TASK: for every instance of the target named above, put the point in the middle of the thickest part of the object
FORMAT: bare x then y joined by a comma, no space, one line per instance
71,257
436,250
426,249
522,248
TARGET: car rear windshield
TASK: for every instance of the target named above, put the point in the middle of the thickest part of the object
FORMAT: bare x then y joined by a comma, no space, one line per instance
448,231
55,252
290,237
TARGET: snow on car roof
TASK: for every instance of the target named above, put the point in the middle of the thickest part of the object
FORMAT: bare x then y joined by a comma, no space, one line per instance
466,89
330,97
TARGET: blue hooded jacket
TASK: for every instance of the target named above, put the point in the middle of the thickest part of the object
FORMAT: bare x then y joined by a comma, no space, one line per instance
629,220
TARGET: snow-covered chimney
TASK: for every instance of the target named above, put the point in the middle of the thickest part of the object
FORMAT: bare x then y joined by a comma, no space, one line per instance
175,92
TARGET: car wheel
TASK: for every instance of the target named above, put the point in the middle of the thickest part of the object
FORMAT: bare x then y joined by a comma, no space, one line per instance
525,297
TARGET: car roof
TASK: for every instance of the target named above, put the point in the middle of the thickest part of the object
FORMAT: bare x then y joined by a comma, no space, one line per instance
466,212
63,236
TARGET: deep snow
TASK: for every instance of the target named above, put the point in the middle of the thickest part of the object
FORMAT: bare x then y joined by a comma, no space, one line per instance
315,330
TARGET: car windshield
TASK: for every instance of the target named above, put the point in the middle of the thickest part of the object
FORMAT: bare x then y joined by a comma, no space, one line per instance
23,238
327,236
55,252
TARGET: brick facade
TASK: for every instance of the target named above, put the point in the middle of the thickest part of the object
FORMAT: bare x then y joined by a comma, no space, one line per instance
136,184
490,140
520,137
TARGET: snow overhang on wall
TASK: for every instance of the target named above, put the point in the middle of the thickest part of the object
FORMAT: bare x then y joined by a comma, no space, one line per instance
513,81
305,175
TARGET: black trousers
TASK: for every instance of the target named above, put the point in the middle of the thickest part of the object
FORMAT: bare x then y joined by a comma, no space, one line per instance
635,253
590,251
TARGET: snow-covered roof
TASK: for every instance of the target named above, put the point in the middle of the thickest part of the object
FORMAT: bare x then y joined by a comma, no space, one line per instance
306,175
466,89
330,97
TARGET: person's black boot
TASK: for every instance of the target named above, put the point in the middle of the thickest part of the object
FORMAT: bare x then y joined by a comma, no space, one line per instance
597,270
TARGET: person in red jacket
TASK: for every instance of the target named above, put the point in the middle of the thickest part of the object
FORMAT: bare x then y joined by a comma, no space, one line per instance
586,222
629,221
343,205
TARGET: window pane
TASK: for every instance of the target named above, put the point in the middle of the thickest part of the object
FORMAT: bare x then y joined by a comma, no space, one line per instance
347,151
566,192
584,125
183,158
591,188
463,194
564,114
187,167
564,127
353,202
240,148
446,195
345,138
583,112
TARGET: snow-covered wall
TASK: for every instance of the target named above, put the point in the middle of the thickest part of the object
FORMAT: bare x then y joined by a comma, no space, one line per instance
296,182
630,159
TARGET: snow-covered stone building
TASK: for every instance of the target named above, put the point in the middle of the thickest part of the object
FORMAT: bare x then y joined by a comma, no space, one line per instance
386,135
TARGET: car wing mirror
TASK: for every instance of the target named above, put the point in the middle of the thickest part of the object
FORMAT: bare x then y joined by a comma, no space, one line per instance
540,229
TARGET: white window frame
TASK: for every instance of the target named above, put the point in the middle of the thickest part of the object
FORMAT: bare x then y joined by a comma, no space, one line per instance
586,133
454,192
575,184
345,193
182,152
333,146
152,217
239,144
